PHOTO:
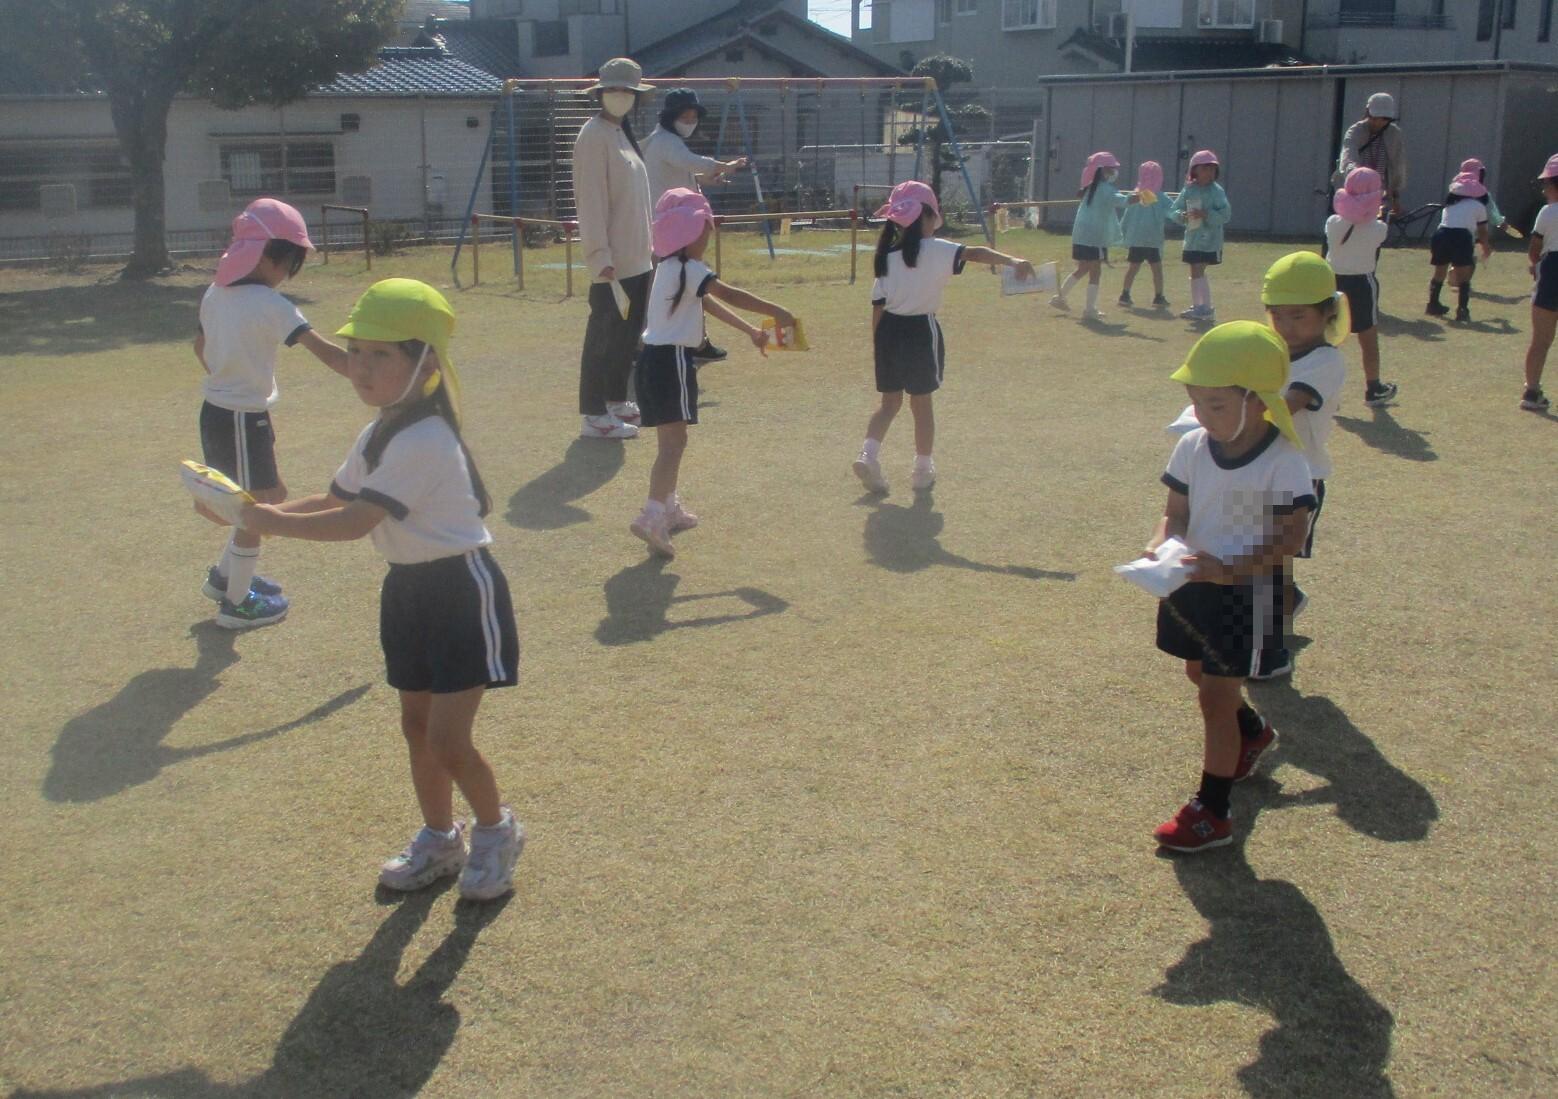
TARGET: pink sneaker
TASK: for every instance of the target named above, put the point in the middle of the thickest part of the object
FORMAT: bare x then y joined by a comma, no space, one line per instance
655,531
1192,829
679,518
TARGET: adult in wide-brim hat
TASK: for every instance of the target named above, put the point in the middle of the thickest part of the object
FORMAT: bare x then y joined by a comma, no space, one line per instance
1376,141
620,73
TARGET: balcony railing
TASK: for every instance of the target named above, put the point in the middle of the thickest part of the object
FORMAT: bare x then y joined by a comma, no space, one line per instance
1384,20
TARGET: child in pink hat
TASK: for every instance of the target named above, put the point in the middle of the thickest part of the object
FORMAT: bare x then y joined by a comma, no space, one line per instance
1463,229
1202,208
1353,237
1472,166
1543,254
665,374
1095,229
913,267
1142,227
242,321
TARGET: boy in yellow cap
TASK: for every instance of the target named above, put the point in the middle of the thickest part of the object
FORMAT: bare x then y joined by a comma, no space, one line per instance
1239,496
446,620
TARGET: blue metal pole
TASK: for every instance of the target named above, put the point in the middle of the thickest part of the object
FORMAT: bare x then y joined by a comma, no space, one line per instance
757,182
470,207
919,139
952,139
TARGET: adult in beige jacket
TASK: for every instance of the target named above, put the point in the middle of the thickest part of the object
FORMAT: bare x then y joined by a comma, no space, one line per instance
1375,141
611,193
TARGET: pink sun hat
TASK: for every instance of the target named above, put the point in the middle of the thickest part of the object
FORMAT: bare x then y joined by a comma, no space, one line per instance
1149,176
1473,166
1100,159
1360,197
1551,171
1467,185
907,202
680,216
1202,156
262,221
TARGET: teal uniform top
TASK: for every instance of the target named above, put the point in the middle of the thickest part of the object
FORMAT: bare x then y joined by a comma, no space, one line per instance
1208,235
1143,225
1097,225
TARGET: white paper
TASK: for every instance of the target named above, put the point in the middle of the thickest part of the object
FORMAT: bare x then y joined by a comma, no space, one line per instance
1046,279
1163,577
621,296
1186,423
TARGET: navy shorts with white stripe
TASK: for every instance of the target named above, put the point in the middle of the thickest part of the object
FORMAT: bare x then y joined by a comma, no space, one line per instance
241,445
448,625
665,381
910,354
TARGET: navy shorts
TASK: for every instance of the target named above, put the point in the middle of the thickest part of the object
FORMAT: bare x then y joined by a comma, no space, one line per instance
241,445
1545,296
665,381
1224,626
1211,259
448,625
1314,517
1457,247
1144,255
1362,300
910,354
1084,252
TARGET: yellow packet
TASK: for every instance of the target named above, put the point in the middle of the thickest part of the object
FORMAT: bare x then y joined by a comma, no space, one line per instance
1146,197
788,338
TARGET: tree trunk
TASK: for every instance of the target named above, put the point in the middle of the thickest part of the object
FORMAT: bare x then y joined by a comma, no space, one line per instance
141,122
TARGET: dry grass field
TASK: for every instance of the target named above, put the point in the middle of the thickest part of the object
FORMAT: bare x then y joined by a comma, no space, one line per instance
853,798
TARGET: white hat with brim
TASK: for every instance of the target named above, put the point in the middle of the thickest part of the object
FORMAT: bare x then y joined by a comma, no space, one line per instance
1382,105
621,74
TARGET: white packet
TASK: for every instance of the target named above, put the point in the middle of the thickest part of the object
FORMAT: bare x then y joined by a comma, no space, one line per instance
1045,278
1163,577
1186,423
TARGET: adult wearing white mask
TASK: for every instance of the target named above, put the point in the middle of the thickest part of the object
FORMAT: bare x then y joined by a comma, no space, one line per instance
672,164
611,193
1375,141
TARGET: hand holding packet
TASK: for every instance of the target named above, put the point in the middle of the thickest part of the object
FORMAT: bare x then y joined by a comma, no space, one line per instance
1161,577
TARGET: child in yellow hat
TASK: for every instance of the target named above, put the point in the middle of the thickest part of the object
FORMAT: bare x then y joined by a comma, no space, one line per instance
446,620
1239,496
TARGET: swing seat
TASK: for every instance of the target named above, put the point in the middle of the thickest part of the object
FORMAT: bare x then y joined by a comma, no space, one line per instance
1422,217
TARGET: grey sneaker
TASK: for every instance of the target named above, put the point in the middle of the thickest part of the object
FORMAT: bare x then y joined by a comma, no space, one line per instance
869,470
922,479
429,856
494,851
655,530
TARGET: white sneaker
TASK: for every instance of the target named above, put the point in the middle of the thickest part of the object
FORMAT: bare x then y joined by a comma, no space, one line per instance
869,470
1060,302
678,518
607,427
923,479
654,530
494,851
626,411
429,856
1092,315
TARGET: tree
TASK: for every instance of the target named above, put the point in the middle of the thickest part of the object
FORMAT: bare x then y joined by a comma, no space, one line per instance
143,53
947,71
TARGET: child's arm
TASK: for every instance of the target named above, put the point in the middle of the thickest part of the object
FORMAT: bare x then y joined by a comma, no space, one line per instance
742,299
719,312
877,309
326,352
1284,543
1218,212
1534,252
1176,212
1482,239
981,254
1174,522
320,501
200,349
331,519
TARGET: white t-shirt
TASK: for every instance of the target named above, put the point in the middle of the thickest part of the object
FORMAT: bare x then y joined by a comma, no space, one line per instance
1232,502
682,326
1547,225
672,164
1467,214
422,480
911,291
1321,376
243,326
1359,253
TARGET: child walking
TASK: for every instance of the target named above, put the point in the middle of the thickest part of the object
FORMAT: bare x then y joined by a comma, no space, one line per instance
242,322
1472,166
913,267
1095,228
445,620
1543,254
1463,228
1353,236
1142,227
1303,307
666,373
1202,208
1239,497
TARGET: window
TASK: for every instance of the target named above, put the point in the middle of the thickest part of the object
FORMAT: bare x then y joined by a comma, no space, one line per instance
912,21
1544,29
94,166
1509,14
1026,15
943,12
1485,20
864,8
1151,14
1227,13
968,7
550,38
298,168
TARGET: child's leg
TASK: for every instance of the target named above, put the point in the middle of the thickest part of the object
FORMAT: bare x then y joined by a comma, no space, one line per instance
881,420
672,442
1130,277
1221,698
1460,278
1157,278
430,779
1543,324
1073,278
1197,271
242,556
1368,344
1435,285
448,724
924,426
1095,271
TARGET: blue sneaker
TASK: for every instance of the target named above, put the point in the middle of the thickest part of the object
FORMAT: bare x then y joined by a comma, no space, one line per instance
255,610
215,586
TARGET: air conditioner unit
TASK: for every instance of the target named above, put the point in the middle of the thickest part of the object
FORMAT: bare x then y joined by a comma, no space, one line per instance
1271,31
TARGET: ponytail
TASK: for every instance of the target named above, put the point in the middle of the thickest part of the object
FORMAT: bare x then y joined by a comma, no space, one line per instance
1086,193
894,238
681,280
884,245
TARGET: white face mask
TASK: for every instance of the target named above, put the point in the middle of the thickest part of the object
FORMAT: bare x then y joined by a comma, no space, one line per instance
618,104
1109,174
686,128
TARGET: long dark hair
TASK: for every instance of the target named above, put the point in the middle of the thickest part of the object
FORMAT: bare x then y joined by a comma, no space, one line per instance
286,254
627,123
895,238
681,280
1086,193
435,404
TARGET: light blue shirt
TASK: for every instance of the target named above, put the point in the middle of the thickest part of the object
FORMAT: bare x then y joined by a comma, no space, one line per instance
1097,224
1143,225
1207,236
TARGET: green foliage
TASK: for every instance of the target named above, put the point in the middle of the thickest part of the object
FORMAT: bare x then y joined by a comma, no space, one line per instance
387,237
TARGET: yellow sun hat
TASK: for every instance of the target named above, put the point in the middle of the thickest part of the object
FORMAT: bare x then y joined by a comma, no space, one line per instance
1305,278
395,310
1246,354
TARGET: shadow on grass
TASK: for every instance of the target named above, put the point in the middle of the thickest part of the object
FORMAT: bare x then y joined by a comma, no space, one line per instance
1268,947
1501,299
360,1032
69,320
1383,433
546,503
1115,329
640,597
118,744
905,539
1371,795
1419,328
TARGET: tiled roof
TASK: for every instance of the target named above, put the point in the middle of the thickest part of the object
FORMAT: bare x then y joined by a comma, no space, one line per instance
414,70
823,54
488,44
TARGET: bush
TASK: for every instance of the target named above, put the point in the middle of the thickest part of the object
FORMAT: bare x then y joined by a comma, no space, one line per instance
387,237
68,252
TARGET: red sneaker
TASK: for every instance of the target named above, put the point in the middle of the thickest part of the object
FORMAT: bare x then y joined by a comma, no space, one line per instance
1193,828
1253,747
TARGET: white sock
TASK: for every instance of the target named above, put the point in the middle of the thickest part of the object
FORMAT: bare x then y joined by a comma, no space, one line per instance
241,563
653,507
1065,287
1195,293
923,463
870,449
1206,291
1092,297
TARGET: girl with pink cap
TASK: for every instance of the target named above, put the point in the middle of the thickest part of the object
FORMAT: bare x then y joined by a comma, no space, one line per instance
913,267
1543,254
1095,229
665,374
1202,208
1471,165
242,322
1353,237
1463,229
1142,227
